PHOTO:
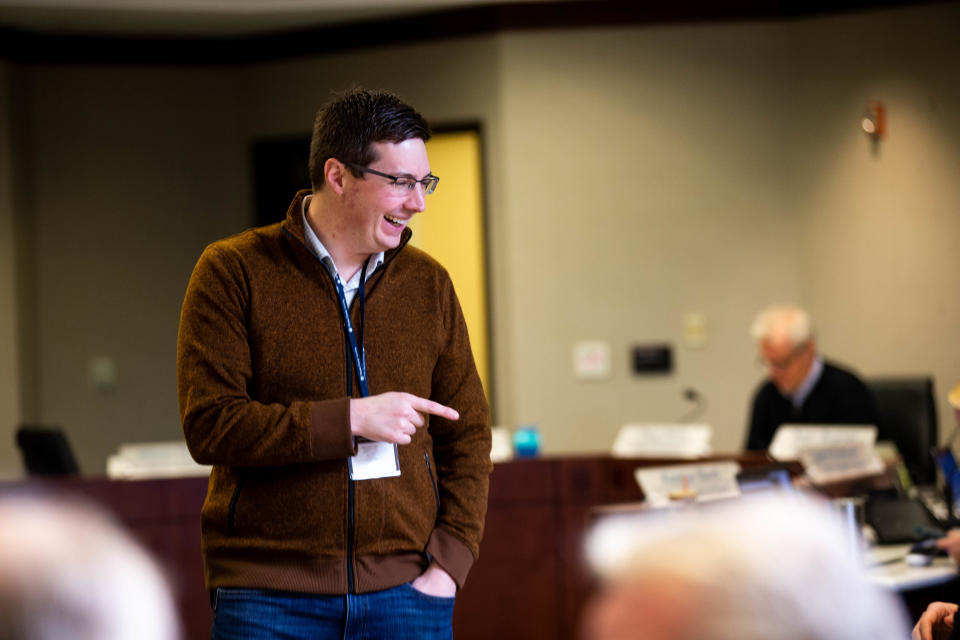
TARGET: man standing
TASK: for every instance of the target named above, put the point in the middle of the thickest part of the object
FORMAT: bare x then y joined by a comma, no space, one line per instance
802,387
324,370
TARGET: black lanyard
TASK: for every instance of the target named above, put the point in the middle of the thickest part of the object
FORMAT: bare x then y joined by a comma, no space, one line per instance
359,355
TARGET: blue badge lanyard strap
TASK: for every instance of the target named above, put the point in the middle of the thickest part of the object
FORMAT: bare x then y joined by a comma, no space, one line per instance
359,356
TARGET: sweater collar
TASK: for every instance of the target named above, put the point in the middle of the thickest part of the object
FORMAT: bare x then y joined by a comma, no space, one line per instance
294,225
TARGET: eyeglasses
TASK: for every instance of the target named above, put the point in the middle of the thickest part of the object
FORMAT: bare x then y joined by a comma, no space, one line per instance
782,363
402,185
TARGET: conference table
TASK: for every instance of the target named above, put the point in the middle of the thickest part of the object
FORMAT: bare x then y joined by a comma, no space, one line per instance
918,586
531,580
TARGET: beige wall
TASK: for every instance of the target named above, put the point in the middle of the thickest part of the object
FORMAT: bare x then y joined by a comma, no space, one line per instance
880,235
634,175
136,171
646,182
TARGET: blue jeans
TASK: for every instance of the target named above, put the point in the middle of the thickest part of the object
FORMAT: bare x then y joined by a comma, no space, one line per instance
400,613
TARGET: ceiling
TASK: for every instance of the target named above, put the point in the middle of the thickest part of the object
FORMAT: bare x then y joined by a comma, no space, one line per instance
206,18
244,31
237,19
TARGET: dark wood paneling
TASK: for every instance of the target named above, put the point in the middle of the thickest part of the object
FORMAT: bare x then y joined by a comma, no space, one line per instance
530,581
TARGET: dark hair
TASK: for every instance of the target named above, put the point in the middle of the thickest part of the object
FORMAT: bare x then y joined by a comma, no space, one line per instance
346,126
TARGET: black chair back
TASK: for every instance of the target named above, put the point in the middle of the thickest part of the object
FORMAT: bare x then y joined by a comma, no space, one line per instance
908,416
46,451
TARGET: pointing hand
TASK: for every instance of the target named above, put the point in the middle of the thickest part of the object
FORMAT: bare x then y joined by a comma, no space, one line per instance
393,416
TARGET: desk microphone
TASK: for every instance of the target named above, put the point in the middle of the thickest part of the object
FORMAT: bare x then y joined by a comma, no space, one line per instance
693,395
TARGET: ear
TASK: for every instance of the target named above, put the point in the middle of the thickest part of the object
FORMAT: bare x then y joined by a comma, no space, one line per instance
334,174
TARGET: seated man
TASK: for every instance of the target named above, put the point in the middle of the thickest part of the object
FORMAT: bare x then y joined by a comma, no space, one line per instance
937,622
802,387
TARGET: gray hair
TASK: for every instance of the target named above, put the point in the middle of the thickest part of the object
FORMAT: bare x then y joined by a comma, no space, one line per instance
67,572
758,567
786,321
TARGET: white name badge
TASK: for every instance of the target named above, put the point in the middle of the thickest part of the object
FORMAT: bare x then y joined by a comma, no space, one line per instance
375,460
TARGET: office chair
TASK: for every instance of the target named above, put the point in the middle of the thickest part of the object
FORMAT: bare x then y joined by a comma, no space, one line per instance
908,416
46,451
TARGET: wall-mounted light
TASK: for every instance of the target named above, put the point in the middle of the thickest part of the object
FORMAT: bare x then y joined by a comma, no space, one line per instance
874,121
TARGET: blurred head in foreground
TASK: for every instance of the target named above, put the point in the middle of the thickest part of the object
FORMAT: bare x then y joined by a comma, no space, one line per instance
749,569
67,572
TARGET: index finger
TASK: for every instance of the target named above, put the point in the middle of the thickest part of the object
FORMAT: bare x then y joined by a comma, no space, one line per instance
434,408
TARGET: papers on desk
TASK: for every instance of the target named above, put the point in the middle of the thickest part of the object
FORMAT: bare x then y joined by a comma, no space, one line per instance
824,465
501,444
662,441
699,482
153,460
829,453
887,567
791,439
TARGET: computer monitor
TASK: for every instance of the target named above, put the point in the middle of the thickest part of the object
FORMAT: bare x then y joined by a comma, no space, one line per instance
768,477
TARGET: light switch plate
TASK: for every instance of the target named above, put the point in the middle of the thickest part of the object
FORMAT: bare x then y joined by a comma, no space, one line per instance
102,371
591,360
695,330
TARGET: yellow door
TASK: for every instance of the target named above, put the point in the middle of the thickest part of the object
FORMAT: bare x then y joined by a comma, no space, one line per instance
452,231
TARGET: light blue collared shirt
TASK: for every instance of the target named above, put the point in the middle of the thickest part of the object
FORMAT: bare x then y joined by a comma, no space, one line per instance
350,287
800,395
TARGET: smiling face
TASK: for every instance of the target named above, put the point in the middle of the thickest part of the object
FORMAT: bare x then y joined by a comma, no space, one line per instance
375,212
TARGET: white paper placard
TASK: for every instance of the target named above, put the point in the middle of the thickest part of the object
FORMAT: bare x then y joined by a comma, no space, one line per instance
501,444
710,481
662,440
840,462
375,460
153,460
791,439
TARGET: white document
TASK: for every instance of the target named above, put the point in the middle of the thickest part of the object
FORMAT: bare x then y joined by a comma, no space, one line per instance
662,441
375,460
709,481
791,439
840,462
153,460
501,444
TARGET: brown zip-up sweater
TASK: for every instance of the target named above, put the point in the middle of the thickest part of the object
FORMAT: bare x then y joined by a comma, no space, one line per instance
263,381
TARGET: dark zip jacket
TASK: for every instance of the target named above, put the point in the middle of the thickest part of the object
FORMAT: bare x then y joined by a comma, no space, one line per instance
263,377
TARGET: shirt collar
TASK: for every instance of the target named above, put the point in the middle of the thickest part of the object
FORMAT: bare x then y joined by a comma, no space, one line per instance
803,391
320,251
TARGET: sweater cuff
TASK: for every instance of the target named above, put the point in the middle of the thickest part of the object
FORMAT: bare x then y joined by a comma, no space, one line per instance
451,554
330,435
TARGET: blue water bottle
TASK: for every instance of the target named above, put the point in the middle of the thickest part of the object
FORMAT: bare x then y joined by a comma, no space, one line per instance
526,442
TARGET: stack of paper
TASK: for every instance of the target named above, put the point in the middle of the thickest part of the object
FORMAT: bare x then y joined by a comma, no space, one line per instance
153,460
663,441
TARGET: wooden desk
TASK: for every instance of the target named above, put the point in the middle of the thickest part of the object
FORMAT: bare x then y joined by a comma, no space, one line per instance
530,581
887,567
917,586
